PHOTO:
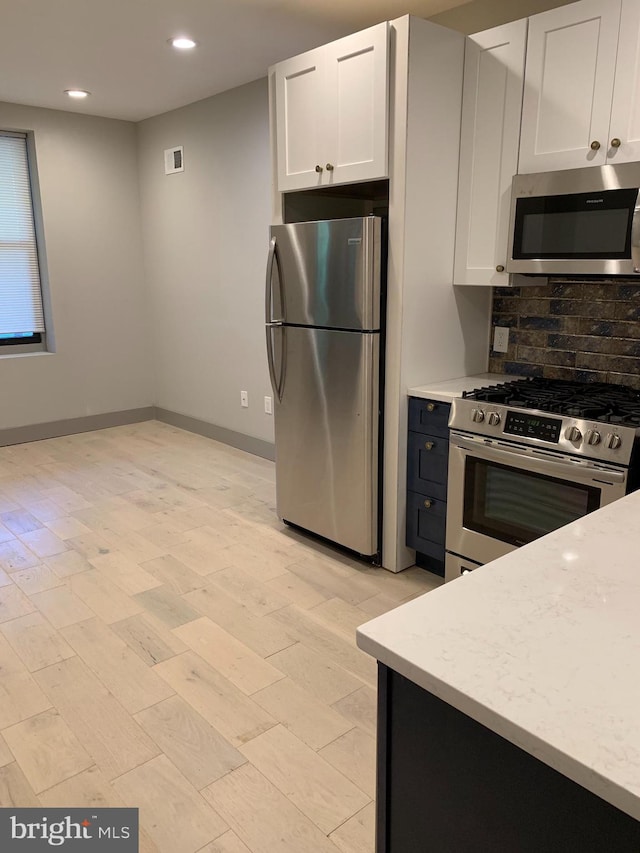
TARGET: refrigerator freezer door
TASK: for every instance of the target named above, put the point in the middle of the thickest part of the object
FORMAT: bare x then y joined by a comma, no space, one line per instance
327,435
327,273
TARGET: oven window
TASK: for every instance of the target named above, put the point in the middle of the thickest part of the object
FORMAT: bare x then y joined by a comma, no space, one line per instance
518,506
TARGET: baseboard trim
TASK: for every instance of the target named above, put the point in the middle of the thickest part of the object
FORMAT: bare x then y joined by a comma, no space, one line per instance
256,446
71,426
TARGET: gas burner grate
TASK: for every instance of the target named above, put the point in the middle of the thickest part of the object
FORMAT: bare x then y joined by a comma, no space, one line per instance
589,401
586,411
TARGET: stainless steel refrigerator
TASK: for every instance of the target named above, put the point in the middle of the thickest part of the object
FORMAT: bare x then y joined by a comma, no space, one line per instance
323,319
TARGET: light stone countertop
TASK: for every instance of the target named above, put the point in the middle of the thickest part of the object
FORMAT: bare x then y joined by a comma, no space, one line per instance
541,646
451,388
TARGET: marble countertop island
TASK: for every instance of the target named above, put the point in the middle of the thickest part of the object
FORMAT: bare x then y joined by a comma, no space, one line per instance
541,646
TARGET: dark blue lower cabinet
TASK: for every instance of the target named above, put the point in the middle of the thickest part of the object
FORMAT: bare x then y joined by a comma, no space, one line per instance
426,520
427,464
430,416
447,784
427,469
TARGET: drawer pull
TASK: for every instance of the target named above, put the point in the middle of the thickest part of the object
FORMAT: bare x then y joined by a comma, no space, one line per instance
427,504
428,445
430,407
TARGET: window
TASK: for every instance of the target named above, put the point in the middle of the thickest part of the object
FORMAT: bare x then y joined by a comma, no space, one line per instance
21,314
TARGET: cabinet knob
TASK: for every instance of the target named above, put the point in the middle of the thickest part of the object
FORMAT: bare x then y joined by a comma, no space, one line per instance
428,445
427,504
430,407
500,268
595,145
615,142
329,167
318,168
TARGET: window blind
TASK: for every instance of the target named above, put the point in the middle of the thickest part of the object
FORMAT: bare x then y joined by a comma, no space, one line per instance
20,294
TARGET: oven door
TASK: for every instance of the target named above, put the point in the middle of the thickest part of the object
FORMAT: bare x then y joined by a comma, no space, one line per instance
502,495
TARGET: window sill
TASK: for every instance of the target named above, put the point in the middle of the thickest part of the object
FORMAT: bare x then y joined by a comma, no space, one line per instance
31,354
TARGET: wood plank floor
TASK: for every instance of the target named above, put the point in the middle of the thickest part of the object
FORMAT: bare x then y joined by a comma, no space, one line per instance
166,643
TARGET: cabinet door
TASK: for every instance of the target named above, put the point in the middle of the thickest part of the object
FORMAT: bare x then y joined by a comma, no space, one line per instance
491,111
299,87
357,98
625,110
426,525
427,464
571,59
429,416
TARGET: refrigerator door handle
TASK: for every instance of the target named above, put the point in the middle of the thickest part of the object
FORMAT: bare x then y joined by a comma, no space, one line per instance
269,323
276,383
272,258
268,284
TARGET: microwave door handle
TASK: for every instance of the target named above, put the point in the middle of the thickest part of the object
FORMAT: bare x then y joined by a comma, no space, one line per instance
574,470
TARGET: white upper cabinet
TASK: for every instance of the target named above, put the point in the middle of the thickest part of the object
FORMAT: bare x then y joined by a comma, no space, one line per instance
331,109
299,84
571,68
491,110
625,109
358,105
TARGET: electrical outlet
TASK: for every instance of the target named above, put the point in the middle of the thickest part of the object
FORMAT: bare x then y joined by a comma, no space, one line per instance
267,406
500,338
244,399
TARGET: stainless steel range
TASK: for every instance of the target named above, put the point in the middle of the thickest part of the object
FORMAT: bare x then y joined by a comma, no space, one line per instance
529,456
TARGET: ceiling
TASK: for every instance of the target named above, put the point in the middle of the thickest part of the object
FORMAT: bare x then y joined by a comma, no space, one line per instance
117,49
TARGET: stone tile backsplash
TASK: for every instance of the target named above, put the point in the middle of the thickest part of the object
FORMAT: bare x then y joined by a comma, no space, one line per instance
589,331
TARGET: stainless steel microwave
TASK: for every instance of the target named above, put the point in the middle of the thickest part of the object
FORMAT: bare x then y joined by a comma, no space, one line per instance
576,222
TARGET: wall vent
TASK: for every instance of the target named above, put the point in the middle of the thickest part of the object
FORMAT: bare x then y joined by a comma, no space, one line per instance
174,160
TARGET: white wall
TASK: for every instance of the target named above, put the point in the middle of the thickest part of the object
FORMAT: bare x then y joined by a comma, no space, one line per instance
205,240
90,205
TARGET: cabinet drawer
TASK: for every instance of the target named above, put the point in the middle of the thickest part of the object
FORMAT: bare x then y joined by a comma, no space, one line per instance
427,463
430,416
426,525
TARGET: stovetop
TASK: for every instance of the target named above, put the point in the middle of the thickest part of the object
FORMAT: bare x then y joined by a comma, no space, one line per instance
598,401
595,420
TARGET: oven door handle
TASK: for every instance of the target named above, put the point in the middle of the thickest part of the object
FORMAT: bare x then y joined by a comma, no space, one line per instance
583,470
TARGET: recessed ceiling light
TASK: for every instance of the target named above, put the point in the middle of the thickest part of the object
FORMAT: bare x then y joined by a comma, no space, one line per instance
182,43
77,93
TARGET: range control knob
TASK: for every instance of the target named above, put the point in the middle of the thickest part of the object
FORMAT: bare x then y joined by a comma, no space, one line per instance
573,433
477,415
593,436
493,418
613,441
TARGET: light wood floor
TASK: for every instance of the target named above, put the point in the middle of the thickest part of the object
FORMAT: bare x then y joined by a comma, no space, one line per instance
166,643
